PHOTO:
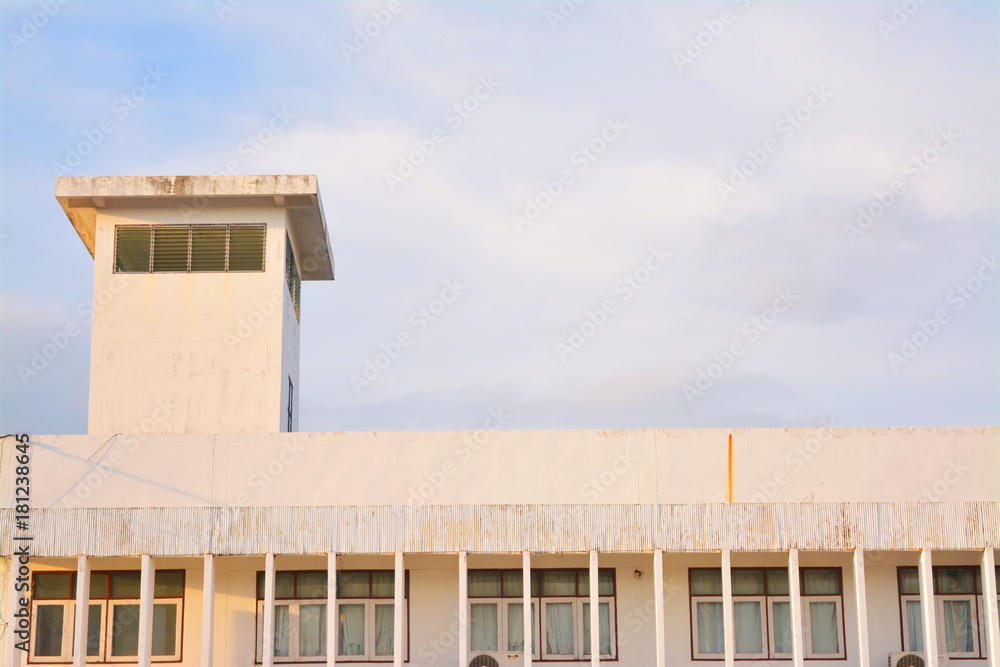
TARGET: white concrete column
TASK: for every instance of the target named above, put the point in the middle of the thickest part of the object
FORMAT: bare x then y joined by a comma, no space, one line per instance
861,598
926,571
595,614
795,604
208,612
463,608
82,611
989,577
332,625
147,577
269,576
661,646
727,609
529,630
397,612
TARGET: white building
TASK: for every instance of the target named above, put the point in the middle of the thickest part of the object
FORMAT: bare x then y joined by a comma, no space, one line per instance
192,525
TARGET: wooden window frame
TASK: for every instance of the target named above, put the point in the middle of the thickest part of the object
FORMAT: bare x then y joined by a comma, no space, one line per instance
976,598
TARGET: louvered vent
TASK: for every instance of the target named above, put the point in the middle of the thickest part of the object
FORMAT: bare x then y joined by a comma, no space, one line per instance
189,248
292,276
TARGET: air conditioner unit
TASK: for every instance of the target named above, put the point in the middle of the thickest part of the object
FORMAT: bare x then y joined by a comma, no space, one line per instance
912,659
494,659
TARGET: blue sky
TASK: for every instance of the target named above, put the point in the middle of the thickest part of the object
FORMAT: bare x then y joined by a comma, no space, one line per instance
820,107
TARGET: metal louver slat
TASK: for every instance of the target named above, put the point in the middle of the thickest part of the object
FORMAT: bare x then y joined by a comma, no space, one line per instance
132,249
208,248
246,247
170,248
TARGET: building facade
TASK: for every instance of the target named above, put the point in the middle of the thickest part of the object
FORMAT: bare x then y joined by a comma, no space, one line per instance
192,525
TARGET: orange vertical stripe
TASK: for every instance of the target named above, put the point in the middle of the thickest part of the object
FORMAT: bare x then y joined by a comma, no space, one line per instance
729,480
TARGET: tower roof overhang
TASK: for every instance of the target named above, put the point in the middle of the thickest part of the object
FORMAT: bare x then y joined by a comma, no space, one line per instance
81,197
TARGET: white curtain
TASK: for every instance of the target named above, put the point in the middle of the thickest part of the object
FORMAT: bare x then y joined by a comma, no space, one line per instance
352,629
164,629
958,626
706,582
558,584
483,622
748,627
384,629
281,627
748,582
515,626
821,582
125,630
484,584
49,629
559,628
823,627
914,625
312,629
782,627
352,585
382,584
711,637
312,584
605,624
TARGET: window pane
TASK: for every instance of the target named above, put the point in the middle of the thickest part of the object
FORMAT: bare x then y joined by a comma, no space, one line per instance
382,584
98,585
706,582
748,582
384,629
711,638
125,584
94,616
605,582
164,629
605,628
958,626
208,248
748,627
312,629
53,585
558,627
168,585
351,640
782,630
281,629
132,249
823,628
125,629
284,585
246,247
821,582
352,585
49,630
484,626
777,582
914,626
485,584
909,582
170,248
513,584
312,584
558,584
955,580
515,627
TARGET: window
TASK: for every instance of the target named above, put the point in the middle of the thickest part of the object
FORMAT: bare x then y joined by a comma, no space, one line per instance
189,248
365,607
958,608
762,617
113,616
291,394
292,276
560,632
